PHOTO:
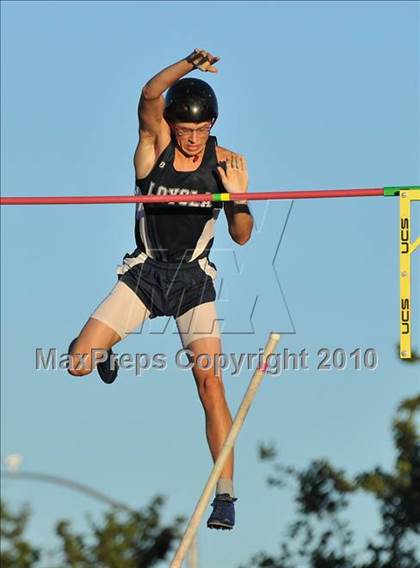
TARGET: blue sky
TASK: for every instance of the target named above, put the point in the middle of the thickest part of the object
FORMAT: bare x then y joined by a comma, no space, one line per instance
316,95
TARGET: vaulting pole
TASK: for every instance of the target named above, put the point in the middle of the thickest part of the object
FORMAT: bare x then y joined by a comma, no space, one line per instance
203,502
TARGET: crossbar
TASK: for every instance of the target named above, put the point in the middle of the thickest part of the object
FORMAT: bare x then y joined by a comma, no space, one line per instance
205,197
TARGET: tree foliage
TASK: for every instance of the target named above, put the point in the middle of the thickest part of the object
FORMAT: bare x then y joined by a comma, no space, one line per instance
136,539
15,550
320,538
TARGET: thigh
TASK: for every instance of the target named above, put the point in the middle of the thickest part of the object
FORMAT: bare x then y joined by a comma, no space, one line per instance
122,311
199,332
199,323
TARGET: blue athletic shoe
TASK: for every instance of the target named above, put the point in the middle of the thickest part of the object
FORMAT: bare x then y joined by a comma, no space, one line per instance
223,515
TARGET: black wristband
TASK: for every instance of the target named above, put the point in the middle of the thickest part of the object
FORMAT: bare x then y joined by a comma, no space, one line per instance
196,59
190,59
241,208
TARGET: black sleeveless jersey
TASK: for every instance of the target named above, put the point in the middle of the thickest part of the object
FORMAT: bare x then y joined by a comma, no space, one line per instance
183,231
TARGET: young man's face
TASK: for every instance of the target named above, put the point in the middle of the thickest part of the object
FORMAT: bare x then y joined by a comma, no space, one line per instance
192,136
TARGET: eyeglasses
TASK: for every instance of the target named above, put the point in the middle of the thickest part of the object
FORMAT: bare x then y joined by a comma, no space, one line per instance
201,132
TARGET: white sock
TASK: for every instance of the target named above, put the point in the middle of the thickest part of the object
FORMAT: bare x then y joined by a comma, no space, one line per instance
225,486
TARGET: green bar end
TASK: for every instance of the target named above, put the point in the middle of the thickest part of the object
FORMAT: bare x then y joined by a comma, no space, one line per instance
394,191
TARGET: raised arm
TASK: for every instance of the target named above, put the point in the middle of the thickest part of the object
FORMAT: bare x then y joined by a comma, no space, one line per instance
154,131
235,180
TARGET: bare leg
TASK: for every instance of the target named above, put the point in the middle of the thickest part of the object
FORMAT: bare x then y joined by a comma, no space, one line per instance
212,395
122,310
94,335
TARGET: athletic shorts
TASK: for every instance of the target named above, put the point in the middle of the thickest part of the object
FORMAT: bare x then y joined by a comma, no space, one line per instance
148,288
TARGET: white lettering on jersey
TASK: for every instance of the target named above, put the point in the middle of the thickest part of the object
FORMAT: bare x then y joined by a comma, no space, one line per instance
162,190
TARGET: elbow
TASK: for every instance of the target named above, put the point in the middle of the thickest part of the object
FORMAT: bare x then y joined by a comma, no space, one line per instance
241,239
242,236
147,93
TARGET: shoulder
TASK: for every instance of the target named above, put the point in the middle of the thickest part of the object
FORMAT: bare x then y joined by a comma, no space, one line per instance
223,153
148,150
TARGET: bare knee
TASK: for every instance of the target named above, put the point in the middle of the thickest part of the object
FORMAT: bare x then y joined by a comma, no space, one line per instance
78,368
210,389
80,362
79,372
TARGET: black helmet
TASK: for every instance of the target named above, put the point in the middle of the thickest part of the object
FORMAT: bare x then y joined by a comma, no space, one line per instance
190,100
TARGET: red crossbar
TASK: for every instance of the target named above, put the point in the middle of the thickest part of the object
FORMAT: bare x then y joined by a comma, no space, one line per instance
297,194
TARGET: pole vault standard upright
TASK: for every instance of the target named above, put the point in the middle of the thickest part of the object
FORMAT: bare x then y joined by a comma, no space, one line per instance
406,194
406,250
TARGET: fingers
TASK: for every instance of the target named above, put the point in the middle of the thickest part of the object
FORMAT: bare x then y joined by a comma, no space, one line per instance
222,173
236,162
203,60
235,177
211,67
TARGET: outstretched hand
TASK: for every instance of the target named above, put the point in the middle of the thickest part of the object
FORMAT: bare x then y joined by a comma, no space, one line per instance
203,60
235,179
